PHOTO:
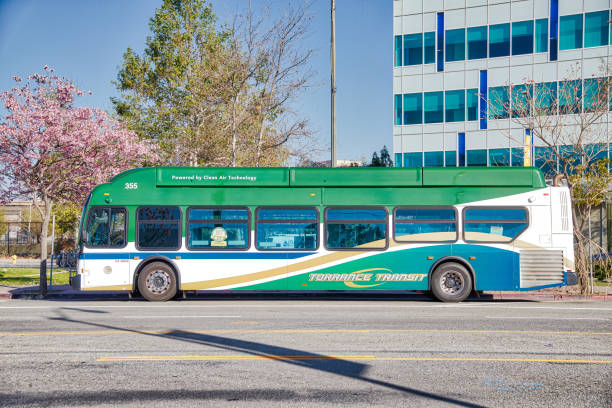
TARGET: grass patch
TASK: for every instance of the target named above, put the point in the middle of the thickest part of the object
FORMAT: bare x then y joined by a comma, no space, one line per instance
30,276
602,283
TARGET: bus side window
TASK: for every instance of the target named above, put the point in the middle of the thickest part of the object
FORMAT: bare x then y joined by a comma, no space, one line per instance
425,224
494,224
106,227
218,228
356,228
158,228
287,228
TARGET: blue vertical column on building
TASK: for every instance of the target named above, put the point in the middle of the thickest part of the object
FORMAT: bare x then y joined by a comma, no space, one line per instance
440,43
554,30
461,149
483,102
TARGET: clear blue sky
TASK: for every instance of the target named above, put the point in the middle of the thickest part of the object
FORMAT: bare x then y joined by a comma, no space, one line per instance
85,39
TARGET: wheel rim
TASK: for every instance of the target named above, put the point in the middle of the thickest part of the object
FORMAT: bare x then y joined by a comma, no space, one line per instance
452,282
158,281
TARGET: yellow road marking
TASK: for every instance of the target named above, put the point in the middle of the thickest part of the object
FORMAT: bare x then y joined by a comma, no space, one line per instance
362,358
188,358
298,331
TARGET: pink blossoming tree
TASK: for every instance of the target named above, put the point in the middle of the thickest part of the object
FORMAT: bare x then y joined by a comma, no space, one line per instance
54,151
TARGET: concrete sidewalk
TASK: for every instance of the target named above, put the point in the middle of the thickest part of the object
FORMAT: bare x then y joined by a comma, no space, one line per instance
66,292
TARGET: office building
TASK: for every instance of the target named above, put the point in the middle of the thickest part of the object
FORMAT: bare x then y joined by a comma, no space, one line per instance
453,59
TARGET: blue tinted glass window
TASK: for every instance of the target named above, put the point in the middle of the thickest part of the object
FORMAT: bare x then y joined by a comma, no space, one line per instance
455,105
499,157
596,152
104,233
397,61
522,37
398,109
398,160
545,99
286,214
477,158
570,32
541,35
433,107
218,235
499,102
477,42
496,214
413,109
413,49
335,214
413,159
287,235
426,232
518,157
493,231
595,95
424,214
158,214
356,235
471,97
430,47
570,97
521,100
499,40
596,29
434,159
369,229
218,214
543,158
450,158
425,225
455,45
569,158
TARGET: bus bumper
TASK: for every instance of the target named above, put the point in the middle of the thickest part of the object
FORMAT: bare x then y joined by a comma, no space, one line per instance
571,278
75,282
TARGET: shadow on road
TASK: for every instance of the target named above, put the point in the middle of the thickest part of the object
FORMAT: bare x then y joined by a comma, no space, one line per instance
295,357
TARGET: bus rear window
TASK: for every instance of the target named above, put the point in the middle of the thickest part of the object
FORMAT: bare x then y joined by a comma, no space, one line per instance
106,227
287,228
158,228
356,228
425,224
494,224
218,228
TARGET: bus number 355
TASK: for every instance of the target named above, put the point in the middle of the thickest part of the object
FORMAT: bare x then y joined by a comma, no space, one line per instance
131,186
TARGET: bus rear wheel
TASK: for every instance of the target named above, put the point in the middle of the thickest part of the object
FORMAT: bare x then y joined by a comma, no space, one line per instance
451,282
157,282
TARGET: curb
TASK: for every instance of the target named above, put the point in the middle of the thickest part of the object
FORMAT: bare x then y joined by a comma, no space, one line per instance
414,296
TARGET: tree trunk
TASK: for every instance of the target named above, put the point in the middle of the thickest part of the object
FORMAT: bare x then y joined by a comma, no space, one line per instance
46,217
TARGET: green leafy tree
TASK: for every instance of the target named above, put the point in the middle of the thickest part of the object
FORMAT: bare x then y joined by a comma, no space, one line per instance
384,160
218,95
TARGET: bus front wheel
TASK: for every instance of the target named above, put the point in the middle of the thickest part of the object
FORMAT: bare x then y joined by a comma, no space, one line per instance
451,282
157,282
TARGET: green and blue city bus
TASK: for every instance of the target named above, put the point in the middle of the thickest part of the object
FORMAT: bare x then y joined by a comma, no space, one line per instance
451,231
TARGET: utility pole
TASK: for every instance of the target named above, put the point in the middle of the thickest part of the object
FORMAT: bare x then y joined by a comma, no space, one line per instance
333,83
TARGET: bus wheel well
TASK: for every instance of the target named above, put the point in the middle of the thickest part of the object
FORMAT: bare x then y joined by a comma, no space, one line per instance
454,259
152,259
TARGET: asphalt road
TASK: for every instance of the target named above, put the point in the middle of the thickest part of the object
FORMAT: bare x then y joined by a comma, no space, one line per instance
305,352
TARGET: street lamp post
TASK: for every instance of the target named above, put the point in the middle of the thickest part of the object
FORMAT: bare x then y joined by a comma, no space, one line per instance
333,83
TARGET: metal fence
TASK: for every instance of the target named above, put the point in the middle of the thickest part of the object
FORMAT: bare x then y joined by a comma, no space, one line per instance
21,239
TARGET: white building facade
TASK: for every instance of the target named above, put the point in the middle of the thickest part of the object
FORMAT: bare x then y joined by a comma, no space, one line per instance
453,57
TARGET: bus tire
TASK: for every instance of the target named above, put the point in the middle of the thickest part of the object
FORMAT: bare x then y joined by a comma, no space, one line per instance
157,282
451,282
